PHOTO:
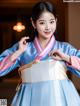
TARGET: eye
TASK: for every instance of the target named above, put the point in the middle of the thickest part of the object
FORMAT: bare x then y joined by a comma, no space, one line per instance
41,23
52,22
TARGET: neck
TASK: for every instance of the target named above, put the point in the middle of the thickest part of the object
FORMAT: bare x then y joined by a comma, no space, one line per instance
43,42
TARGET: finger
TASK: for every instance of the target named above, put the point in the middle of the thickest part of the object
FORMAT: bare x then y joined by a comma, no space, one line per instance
51,53
23,40
54,52
27,40
56,58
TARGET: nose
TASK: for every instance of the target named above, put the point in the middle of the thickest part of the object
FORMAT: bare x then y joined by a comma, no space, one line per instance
47,26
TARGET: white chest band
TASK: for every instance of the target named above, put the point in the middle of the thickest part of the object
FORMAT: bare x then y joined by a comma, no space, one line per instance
44,71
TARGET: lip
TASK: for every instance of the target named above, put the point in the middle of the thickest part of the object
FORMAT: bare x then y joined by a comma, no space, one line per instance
47,32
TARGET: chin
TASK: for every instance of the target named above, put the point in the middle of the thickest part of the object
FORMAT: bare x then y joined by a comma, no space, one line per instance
47,37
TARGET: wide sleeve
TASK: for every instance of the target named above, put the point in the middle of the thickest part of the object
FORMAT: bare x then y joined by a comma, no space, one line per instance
74,54
6,65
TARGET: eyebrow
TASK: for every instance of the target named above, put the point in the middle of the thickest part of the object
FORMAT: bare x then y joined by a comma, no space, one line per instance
44,20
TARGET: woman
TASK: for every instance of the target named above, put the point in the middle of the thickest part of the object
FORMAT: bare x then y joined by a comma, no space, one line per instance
43,64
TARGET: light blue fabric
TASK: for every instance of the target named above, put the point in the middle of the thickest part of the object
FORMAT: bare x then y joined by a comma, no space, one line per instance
43,94
47,93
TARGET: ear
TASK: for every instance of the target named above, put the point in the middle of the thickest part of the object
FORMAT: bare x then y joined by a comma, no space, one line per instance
33,24
56,19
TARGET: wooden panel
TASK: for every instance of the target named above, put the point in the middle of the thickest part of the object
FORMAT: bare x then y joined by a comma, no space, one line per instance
19,3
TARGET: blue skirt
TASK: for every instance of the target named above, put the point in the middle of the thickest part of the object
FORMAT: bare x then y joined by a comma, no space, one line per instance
47,93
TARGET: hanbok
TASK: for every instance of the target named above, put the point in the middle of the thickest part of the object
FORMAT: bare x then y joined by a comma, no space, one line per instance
44,83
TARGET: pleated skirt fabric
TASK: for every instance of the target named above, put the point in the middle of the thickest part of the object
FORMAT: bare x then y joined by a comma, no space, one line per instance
47,93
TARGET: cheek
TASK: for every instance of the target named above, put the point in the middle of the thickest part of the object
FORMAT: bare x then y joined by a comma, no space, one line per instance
53,27
39,28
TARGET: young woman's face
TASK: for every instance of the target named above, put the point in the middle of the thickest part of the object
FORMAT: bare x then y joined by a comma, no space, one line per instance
46,25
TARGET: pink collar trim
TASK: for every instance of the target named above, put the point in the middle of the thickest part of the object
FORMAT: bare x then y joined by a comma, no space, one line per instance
43,52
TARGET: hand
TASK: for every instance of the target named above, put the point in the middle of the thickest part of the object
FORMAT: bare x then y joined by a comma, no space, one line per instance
23,44
58,55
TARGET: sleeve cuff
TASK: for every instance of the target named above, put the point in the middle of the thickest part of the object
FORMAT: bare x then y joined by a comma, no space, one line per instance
75,62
